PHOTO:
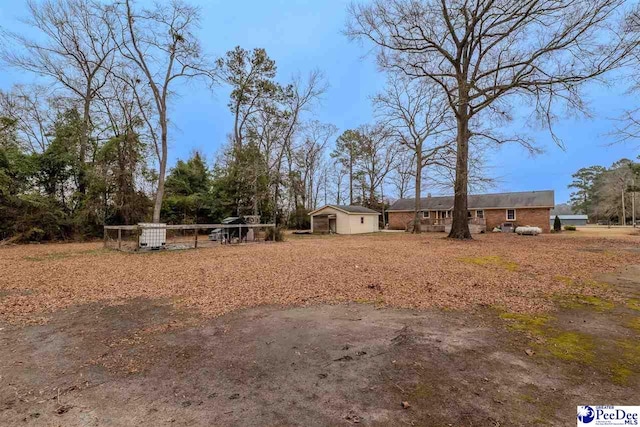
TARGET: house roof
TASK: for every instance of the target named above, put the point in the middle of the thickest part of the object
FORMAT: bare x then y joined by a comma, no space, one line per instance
348,209
521,199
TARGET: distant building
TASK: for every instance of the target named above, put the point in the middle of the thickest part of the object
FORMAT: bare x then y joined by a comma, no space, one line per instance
485,211
344,220
570,219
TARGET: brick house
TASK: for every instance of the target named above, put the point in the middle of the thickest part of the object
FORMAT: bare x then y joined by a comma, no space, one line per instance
486,211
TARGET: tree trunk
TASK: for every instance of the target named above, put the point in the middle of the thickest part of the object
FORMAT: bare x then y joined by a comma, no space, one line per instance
84,143
416,213
350,177
624,212
460,225
161,174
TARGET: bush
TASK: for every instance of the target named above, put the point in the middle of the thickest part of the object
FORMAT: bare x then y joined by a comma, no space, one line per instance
299,219
34,234
570,227
557,225
274,234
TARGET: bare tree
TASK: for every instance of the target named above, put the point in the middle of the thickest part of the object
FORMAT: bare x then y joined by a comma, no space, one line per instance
76,51
377,155
418,116
612,190
484,53
33,113
162,46
300,97
309,157
627,127
403,174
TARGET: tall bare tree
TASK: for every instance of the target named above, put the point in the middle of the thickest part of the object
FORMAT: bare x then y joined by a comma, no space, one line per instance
377,155
309,156
483,54
162,46
33,113
74,48
403,174
417,114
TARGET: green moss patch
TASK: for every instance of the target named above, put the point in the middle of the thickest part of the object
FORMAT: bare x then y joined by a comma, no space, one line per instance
421,392
565,279
629,362
492,261
533,324
571,346
633,304
634,324
580,301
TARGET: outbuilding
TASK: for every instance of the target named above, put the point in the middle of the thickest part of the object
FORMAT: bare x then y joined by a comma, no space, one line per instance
570,219
341,219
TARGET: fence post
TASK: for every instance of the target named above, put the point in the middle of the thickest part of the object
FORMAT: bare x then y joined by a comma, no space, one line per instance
195,240
119,238
104,230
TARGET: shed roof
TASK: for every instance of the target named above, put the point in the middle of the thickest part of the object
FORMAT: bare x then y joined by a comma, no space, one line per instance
521,199
348,209
584,217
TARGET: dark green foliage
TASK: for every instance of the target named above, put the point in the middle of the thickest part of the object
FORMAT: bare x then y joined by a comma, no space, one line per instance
299,219
275,234
557,225
188,195
240,186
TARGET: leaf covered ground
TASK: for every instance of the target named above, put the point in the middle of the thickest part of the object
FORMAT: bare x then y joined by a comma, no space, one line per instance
512,273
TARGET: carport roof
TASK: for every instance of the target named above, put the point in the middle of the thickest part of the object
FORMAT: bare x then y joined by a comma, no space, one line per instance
521,199
349,209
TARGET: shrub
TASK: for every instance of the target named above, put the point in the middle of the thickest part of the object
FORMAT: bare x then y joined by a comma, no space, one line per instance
274,234
570,227
34,234
557,225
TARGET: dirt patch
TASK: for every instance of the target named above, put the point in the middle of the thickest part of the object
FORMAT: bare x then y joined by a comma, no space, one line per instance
146,363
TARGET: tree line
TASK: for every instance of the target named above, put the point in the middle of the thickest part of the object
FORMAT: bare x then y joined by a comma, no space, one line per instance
90,146
607,194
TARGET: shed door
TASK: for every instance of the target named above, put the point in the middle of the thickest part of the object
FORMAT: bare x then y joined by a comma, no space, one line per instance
332,224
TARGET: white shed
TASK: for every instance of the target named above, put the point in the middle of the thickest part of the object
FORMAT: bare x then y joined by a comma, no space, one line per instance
344,220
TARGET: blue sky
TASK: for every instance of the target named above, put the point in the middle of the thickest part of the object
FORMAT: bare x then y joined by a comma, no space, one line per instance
302,35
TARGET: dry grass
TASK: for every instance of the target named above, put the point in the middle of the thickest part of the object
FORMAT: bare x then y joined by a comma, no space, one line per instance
603,231
392,269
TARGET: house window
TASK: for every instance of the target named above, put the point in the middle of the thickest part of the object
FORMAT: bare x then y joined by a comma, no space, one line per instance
469,214
426,214
480,214
511,214
361,220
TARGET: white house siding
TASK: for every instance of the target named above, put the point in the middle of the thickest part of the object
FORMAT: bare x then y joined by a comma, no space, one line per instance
350,223
370,223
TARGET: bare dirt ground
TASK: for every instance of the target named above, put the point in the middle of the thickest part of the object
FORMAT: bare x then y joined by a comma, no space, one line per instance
505,330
